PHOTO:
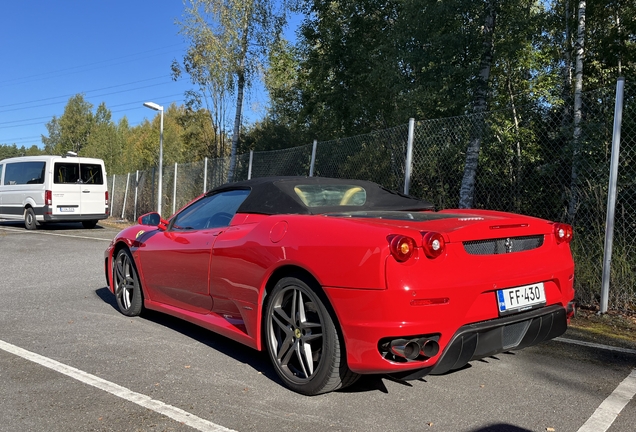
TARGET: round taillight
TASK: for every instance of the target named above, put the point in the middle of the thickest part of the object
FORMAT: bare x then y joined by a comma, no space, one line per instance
433,244
563,233
402,247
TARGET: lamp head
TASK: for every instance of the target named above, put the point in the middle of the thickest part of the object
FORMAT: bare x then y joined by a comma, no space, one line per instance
153,106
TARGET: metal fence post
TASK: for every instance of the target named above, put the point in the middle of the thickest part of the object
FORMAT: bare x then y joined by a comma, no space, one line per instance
409,156
153,188
136,189
313,159
205,175
123,207
112,196
249,167
611,194
174,190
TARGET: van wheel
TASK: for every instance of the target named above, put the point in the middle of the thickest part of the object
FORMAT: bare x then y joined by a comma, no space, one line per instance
29,219
89,224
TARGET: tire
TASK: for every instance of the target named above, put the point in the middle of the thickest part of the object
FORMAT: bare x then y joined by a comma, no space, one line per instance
302,339
30,222
89,224
127,287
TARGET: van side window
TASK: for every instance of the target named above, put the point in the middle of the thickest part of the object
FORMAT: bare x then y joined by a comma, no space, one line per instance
1,166
19,173
64,172
91,174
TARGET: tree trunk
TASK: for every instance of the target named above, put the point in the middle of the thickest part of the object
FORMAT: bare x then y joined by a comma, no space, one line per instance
516,169
467,191
237,126
240,88
578,91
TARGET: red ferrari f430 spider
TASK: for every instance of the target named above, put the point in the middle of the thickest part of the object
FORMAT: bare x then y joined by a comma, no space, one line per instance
337,278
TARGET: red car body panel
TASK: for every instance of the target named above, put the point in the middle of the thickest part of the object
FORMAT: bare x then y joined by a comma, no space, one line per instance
218,278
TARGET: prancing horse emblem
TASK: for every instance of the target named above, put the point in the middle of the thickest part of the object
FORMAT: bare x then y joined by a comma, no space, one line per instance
508,245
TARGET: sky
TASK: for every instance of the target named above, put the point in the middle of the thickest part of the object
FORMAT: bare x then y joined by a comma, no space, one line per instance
114,51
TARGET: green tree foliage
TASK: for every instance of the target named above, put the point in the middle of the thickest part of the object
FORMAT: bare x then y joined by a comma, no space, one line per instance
188,136
75,125
367,65
104,141
9,151
201,138
610,46
52,141
229,39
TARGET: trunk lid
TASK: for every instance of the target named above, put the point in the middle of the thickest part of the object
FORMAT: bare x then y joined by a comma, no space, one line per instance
457,225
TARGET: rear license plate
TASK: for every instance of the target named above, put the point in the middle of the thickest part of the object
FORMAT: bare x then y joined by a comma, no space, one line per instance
67,209
520,298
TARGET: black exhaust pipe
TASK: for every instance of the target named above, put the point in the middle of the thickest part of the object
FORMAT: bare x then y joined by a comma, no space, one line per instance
428,347
408,349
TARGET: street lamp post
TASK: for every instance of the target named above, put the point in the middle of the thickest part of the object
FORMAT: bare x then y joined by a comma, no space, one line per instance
159,108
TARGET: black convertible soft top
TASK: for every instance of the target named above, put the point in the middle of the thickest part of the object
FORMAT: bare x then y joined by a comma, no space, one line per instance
276,195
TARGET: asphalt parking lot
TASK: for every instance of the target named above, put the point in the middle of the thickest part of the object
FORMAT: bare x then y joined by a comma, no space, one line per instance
70,361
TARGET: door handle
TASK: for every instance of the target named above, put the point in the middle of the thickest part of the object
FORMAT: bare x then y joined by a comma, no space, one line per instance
86,191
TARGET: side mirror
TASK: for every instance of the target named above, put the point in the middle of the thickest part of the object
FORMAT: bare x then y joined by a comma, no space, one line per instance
149,219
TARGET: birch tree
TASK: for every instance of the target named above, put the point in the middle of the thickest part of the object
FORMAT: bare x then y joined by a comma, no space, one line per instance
578,97
229,40
467,190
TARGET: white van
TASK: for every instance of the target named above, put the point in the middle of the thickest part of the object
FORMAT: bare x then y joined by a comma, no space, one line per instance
42,189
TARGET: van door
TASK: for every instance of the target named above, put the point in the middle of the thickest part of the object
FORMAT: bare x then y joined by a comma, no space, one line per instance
23,183
93,194
66,193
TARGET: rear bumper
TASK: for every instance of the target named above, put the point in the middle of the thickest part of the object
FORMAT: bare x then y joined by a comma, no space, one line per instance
369,318
73,218
475,341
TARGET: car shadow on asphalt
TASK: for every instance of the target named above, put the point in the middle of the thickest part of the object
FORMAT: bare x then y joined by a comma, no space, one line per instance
107,297
58,226
258,360
502,427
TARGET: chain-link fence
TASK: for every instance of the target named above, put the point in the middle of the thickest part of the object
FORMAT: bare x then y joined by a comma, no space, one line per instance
532,160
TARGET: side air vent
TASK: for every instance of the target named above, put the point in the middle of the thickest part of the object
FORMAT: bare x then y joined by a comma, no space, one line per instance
503,245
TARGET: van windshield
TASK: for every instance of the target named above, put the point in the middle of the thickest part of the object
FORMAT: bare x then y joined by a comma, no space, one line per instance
68,172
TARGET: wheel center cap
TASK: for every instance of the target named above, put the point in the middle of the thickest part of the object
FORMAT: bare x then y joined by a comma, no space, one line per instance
297,333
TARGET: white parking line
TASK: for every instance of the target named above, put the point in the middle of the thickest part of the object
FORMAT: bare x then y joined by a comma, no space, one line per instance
595,345
23,231
117,390
611,407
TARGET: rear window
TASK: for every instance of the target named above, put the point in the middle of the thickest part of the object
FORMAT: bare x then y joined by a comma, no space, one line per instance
68,172
91,174
331,195
20,173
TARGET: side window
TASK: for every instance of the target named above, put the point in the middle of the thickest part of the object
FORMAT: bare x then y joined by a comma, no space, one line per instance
20,173
91,174
213,211
1,166
66,172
